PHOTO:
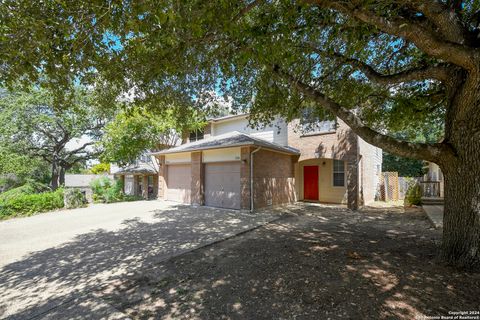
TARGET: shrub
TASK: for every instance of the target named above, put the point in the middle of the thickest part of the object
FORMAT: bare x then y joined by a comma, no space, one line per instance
99,187
106,190
114,193
27,204
128,197
74,198
414,195
31,187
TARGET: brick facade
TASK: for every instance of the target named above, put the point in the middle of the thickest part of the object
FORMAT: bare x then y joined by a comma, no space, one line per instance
273,178
277,176
245,177
162,172
197,195
342,144
144,186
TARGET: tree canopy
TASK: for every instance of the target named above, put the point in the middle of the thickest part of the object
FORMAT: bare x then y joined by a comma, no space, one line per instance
404,166
34,128
379,65
134,132
387,53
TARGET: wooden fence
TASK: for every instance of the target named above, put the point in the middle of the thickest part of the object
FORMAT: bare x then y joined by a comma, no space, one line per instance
393,187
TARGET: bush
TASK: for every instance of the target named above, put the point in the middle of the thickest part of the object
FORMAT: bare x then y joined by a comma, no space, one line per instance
106,190
413,195
31,187
115,192
27,204
99,187
74,198
127,197
100,168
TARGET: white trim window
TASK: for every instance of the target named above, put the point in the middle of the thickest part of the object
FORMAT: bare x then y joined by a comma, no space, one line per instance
196,135
312,124
338,173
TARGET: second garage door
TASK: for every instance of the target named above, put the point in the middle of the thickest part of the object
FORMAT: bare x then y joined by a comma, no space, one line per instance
222,185
179,184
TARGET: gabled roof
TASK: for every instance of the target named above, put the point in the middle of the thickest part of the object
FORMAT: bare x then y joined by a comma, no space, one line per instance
231,139
229,117
140,168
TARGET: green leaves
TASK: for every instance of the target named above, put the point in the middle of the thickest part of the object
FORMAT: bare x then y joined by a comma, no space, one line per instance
135,131
35,133
171,52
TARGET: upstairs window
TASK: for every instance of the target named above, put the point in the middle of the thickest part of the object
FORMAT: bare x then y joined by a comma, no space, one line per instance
338,173
311,124
196,135
143,159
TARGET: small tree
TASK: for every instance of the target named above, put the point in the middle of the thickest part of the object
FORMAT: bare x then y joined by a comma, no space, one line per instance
136,131
413,195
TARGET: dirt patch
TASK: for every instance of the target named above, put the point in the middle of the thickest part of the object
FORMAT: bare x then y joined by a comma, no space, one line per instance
317,263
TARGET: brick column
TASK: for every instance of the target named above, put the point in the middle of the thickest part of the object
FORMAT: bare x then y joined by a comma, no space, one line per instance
145,187
162,174
122,179
155,186
352,184
136,190
197,179
245,178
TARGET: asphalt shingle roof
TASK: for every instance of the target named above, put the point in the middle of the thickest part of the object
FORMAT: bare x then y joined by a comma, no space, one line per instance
140,168
231,139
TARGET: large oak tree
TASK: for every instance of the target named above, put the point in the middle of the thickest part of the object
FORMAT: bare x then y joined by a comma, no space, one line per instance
379,65
61,137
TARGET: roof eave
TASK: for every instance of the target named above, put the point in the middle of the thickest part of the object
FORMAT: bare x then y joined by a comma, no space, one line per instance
286,151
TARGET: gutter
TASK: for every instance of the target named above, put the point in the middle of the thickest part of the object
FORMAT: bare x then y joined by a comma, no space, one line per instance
251,177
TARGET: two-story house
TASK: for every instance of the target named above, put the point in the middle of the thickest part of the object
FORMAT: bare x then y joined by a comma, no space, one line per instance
231,165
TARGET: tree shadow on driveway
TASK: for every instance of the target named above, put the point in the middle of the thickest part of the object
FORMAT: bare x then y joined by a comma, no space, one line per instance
324,263
45,279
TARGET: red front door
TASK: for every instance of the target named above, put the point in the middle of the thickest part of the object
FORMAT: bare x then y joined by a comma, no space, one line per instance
310,182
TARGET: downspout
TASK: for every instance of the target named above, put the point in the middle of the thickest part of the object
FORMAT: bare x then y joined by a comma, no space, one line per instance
251,177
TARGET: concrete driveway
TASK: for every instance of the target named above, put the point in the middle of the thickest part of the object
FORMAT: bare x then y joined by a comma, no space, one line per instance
49,261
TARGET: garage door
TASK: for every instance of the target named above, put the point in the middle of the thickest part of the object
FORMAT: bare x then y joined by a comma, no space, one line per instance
222,185
179,183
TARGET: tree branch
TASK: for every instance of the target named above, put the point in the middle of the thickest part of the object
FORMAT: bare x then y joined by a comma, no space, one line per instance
426,40
247,9
423,151
444,17
73,152
439,72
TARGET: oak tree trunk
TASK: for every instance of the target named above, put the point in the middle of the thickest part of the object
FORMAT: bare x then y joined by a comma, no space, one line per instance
461,224
61,177
461,221
54,180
